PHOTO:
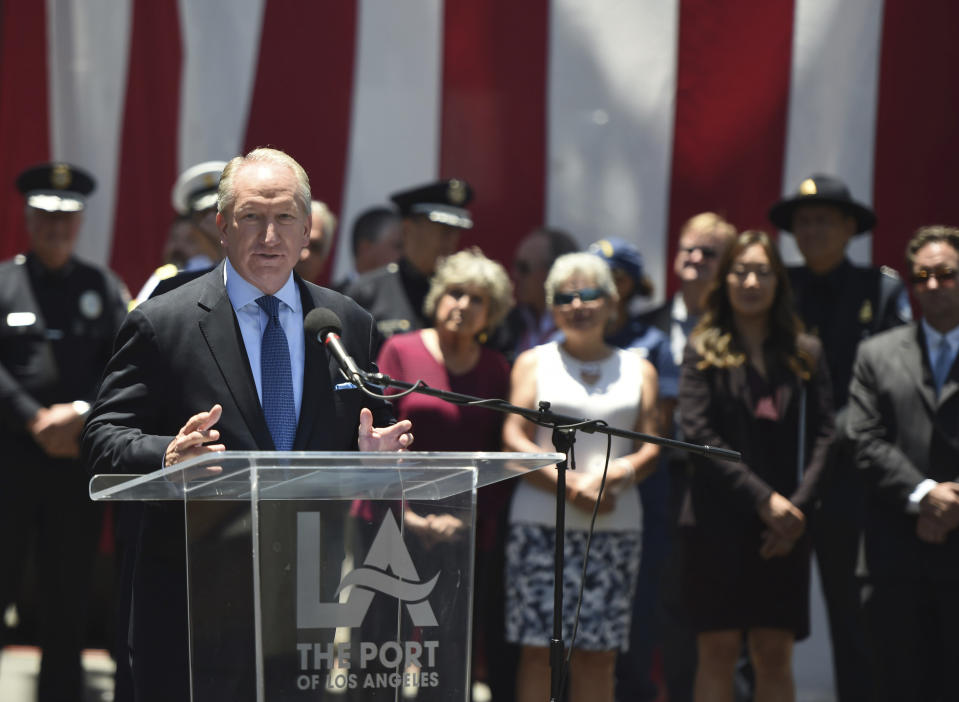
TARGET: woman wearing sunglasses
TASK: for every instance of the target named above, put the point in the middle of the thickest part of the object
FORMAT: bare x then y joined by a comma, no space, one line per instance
581,376
751,381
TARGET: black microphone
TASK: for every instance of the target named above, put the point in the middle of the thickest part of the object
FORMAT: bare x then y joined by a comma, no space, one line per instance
323,325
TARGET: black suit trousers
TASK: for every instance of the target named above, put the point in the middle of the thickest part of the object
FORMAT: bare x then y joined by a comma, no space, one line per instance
912,622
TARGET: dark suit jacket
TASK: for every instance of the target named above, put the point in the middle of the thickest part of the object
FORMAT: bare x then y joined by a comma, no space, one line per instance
903,434
716,408
176,355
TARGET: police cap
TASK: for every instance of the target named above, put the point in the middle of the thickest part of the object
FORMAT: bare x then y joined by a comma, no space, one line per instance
56,187
444,202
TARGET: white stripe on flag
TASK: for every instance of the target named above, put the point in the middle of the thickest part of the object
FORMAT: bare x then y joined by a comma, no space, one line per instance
395,123
87,49
832,101
612,77
221,47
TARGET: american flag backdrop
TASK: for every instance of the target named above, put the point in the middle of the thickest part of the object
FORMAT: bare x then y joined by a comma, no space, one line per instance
605,117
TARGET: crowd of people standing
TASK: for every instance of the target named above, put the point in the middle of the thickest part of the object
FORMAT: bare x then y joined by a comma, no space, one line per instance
843,409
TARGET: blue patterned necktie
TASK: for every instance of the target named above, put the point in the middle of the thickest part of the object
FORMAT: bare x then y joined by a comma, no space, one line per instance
276,378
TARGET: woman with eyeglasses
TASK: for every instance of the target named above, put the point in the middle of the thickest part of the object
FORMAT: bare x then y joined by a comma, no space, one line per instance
753,382
581,376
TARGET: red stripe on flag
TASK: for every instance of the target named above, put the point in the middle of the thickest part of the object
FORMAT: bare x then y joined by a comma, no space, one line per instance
24,112
732,98
148,147
917,143
494,115
303,93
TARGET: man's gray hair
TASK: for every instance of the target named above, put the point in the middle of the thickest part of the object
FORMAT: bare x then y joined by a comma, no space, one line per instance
226,194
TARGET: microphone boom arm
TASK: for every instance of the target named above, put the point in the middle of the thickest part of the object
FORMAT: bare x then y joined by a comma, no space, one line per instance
542,417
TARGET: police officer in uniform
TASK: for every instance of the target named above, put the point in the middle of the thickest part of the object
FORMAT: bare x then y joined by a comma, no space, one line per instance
58,318
842,304
433,216
194,197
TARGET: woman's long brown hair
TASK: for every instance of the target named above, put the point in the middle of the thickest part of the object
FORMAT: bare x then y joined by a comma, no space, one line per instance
714,338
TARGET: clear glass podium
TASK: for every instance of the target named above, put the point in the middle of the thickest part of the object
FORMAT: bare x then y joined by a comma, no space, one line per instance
315,575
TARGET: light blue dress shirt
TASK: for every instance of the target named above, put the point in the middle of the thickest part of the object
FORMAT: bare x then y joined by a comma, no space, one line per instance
933,341
253,320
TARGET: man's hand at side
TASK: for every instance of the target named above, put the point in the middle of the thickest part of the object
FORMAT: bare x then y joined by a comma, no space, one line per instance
938,512
397,437
56,429
191,441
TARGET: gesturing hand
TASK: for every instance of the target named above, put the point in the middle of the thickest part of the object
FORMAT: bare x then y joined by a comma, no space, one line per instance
393,438
191,441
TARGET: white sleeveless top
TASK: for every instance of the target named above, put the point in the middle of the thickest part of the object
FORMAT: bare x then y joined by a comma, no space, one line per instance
612,394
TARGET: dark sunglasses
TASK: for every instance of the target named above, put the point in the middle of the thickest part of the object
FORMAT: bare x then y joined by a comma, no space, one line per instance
704,251
584,295
943,276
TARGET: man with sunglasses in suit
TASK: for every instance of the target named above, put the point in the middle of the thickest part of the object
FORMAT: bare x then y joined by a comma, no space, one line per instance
842,304
903,413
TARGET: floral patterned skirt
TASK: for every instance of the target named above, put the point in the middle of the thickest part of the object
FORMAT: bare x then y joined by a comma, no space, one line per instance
607,598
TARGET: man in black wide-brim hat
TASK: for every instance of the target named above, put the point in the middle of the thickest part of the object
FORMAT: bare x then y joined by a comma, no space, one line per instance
842,304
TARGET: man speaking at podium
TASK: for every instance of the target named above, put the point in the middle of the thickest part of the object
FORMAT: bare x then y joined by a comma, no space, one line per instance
223,363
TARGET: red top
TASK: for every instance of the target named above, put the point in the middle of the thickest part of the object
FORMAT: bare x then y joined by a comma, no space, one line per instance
441,426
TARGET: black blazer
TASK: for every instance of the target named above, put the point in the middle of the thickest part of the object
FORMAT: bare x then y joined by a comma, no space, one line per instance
176,355
903,434
716,408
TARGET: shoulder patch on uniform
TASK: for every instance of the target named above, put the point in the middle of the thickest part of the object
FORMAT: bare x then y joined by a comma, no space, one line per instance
891,272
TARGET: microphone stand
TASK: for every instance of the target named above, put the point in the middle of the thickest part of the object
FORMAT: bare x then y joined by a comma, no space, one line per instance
564,428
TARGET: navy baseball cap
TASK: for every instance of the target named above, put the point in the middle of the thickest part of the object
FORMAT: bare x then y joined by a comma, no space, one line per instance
621,254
